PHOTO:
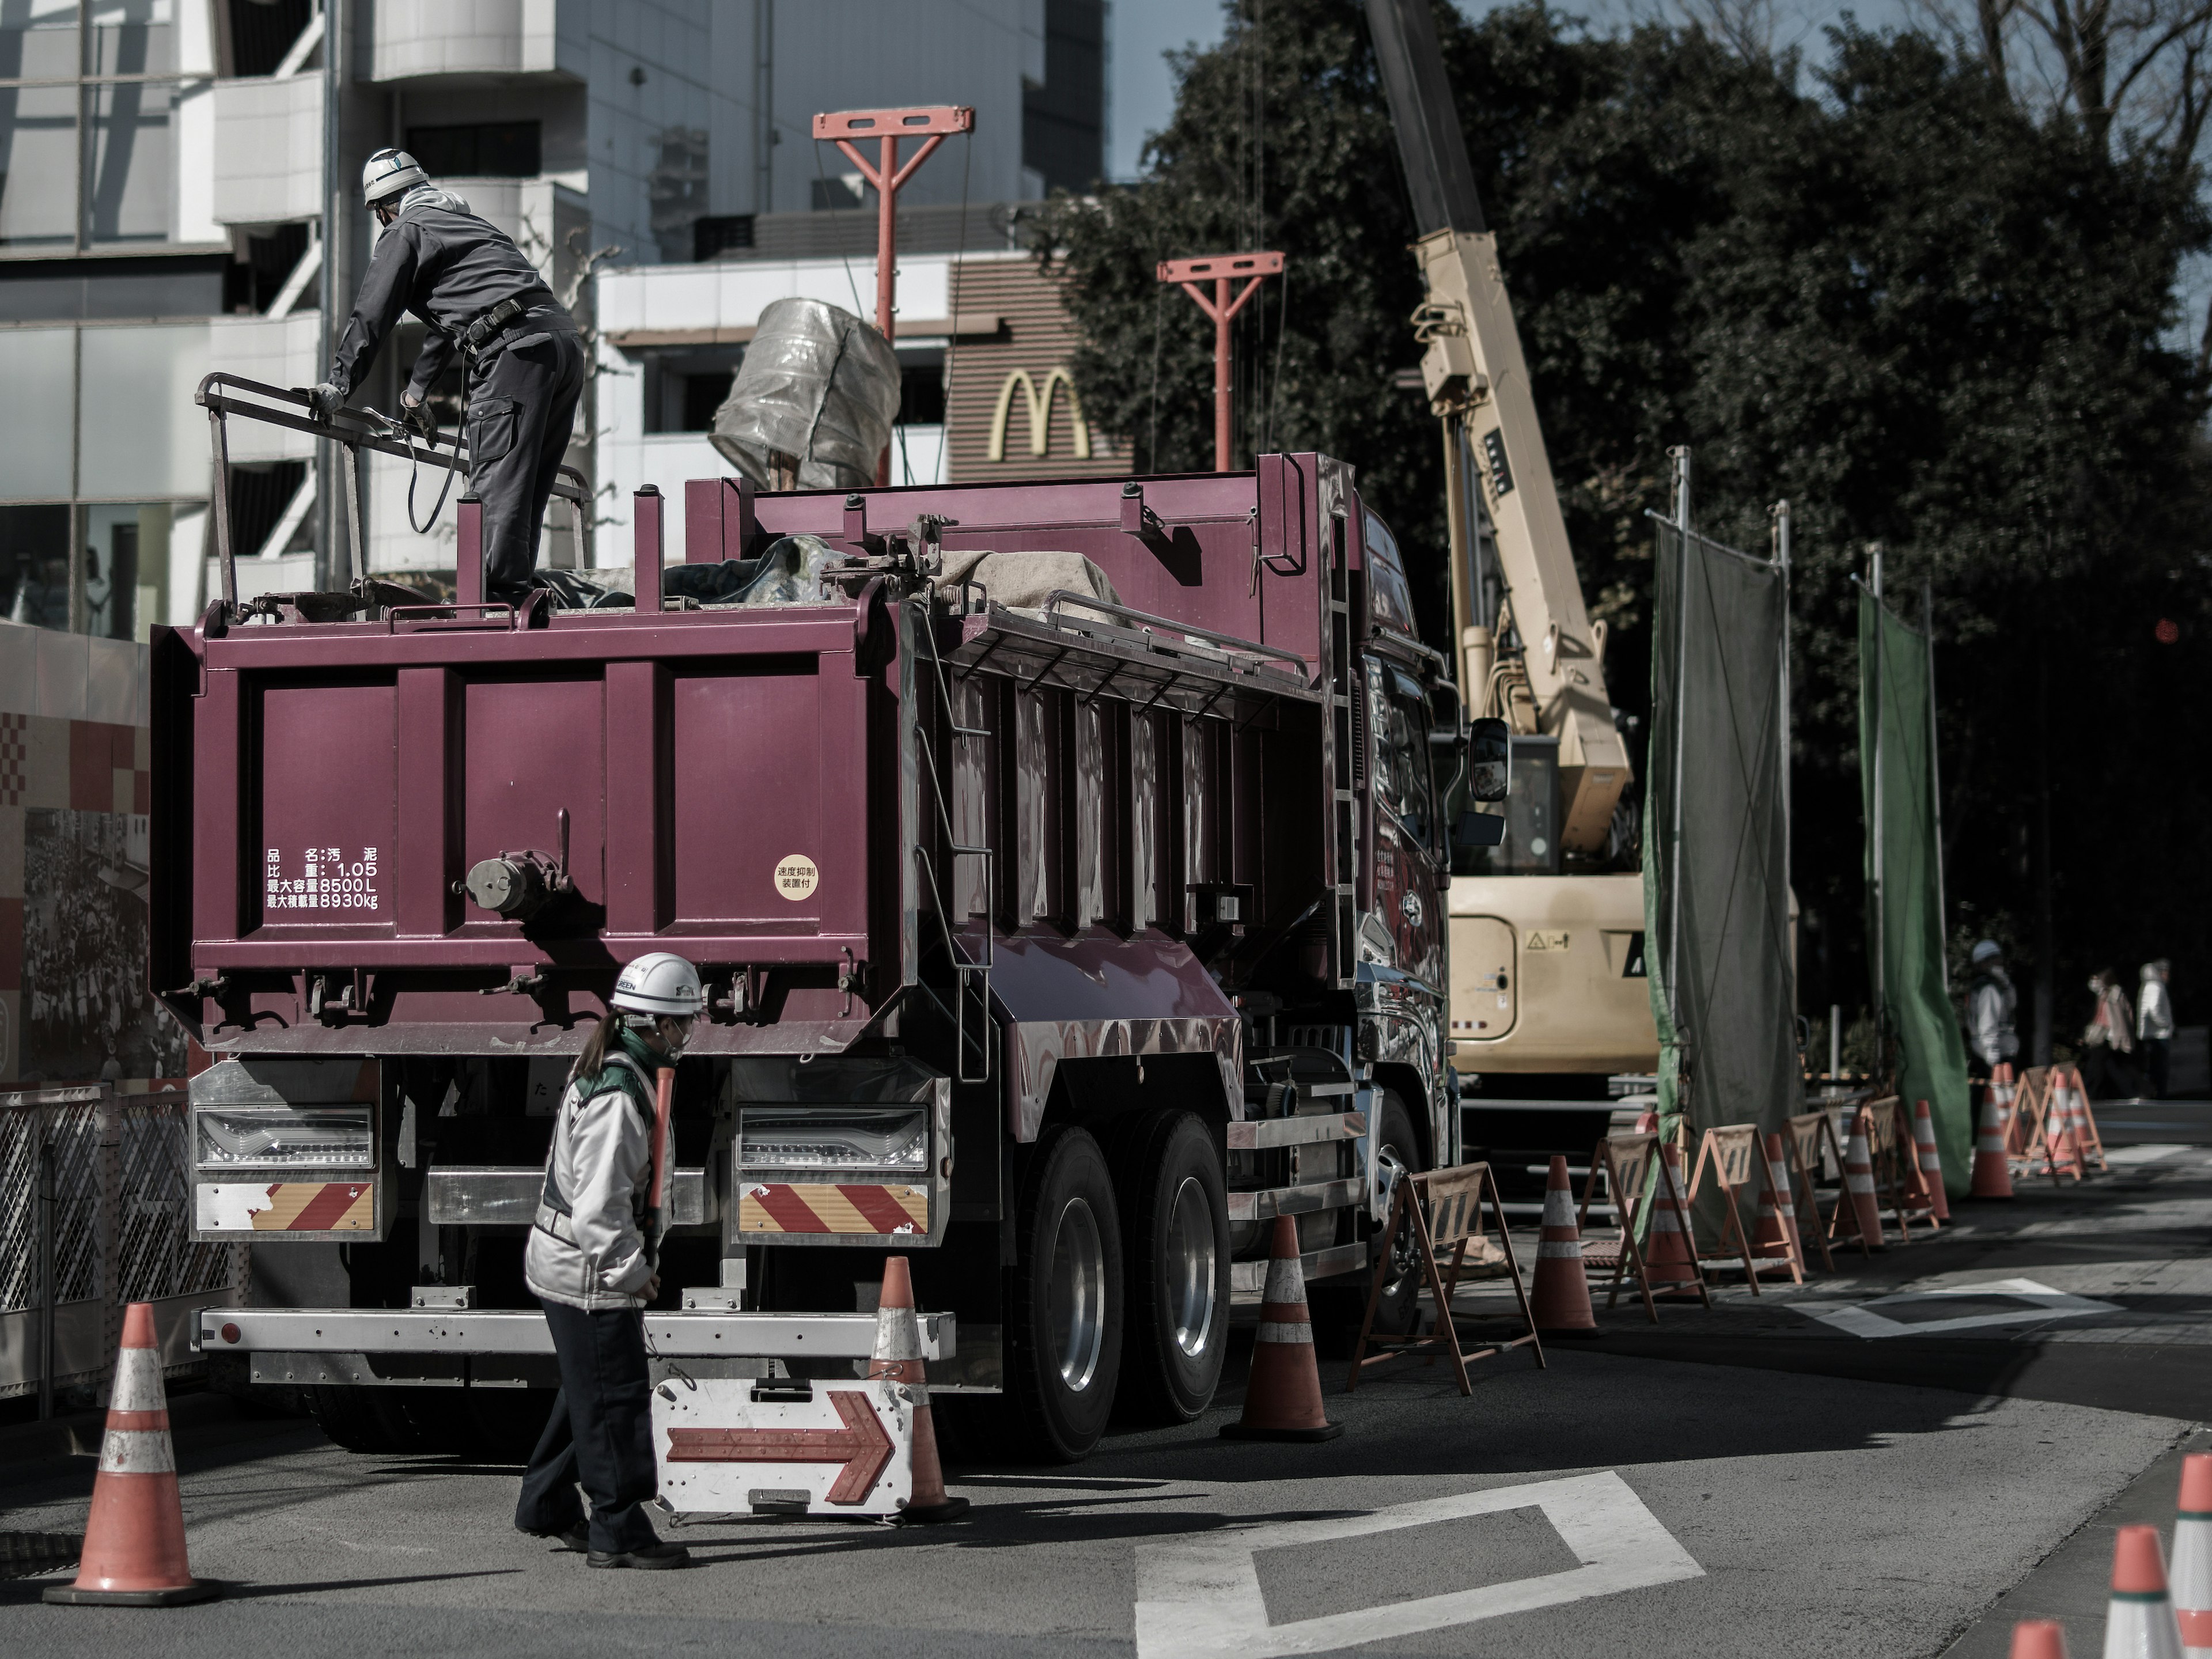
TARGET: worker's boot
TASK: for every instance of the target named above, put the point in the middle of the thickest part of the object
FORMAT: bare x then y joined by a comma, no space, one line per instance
654,1556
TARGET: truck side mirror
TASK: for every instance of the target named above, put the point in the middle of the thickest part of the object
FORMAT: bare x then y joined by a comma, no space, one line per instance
1478,828
1489,762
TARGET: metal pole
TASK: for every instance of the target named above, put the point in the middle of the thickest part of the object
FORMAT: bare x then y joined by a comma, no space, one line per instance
1835,1041
1221,374
47,1289
1459,528
329,519
1935,784
1880,714
1682,456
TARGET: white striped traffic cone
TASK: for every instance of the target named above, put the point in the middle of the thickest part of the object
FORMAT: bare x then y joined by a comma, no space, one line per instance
2139,1619
134,1543
1992,1170
2039,1638
1559,1301
1931,1161
1775,1236
898,1356
1670,1257
1858,1183
1282,1399
2193,1557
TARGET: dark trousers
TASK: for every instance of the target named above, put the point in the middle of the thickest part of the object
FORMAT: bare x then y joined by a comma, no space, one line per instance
522,407
2157,1053
600,1433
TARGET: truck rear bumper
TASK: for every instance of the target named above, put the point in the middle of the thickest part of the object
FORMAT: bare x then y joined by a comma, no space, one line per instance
692,1335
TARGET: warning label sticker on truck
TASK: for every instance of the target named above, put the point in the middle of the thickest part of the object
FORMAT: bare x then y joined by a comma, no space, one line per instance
323,879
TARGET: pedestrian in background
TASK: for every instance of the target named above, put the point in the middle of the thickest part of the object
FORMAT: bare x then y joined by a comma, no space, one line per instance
2108,1040
2155,1025
1990,1005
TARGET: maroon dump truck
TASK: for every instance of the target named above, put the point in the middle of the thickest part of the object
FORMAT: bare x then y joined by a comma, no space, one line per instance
1059,937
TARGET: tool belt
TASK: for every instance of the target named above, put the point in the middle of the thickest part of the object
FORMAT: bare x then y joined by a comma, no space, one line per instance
478,336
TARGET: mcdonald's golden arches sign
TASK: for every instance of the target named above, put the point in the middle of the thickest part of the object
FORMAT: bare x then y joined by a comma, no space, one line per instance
1011,407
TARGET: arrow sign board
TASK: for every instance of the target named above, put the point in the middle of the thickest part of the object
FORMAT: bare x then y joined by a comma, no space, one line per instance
848,1450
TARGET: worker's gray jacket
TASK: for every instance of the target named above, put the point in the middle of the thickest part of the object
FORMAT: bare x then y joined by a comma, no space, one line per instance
1989,1008
2154,1011
441,262
592,1255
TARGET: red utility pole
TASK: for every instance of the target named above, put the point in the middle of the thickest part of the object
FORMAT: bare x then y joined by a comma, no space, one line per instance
887,126
1223,268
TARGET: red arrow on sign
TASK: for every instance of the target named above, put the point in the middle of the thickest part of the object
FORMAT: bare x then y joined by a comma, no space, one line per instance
861,1446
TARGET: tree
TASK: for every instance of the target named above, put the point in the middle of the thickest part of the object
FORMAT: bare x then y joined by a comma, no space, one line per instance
1928,313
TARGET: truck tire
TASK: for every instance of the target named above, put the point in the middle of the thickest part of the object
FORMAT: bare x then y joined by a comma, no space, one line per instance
1342,1304
1064,1308
1175,1226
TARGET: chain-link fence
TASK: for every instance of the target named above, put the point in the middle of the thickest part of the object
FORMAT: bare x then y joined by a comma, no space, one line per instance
120,1232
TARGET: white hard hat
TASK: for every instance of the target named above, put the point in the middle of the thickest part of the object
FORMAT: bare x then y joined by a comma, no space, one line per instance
389,172
1987,950
662,983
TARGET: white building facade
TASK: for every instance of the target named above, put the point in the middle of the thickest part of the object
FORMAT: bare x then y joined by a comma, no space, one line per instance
164,196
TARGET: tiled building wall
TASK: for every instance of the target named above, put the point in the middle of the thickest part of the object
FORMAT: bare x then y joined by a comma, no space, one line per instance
74,798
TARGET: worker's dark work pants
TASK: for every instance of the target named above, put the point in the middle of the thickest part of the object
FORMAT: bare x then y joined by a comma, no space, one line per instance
600,1433
522,407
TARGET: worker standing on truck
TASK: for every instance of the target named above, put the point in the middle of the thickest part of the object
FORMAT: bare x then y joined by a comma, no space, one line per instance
464,277
590,1263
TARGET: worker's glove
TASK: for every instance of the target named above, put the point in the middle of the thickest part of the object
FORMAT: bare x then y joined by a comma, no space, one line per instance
416,415
326,399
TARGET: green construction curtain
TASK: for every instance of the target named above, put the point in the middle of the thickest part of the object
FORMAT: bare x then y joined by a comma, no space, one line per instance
1904,878
1716,839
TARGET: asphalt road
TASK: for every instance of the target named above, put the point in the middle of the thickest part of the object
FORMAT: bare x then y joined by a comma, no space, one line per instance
1810,1497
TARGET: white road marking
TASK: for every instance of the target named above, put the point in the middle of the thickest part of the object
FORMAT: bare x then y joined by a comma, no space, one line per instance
1199,1598
1860,1319
2149,1152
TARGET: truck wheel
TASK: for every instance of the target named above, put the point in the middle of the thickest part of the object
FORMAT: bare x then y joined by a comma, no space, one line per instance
1064,1312
1341,1304
1175,1225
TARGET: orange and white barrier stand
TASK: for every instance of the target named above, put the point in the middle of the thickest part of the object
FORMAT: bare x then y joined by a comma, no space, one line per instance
1931,1161
1669,1256
2062,1150
134,1544
2193,1557
2088,1140
1282,1401
898,1359
2139,1621
1992,1168
1775,1236
1858,1201
1560,1297
2039,1638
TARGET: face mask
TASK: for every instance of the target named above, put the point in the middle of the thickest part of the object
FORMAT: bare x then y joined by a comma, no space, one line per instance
675,1034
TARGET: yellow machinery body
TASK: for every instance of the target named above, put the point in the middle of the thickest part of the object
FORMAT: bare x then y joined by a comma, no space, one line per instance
1547,975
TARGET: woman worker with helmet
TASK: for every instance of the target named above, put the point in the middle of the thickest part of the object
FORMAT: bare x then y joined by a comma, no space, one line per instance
591,1264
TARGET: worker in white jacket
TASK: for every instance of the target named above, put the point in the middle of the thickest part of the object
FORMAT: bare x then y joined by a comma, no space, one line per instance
591,1264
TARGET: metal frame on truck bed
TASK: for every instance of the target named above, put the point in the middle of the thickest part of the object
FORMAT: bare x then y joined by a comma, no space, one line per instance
1062,925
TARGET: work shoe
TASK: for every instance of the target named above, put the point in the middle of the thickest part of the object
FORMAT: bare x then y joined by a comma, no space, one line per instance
577,1538
653,1557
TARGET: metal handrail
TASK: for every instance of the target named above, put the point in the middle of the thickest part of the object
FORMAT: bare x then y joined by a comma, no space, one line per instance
1146,622
357,430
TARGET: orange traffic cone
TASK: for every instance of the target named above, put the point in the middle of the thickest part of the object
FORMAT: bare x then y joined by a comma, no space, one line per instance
2139,1619
2039,1638
134,1544
1931,1161
1561,1301
1669,1258
1282,1401
1774,1235
1859,1184
2193,1557
898,1358
1992,1173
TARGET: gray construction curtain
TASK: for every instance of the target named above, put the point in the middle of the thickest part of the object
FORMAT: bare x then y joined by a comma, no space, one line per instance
1717,838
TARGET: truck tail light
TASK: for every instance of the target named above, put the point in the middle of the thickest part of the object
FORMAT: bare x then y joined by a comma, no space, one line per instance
285,1137
839,1139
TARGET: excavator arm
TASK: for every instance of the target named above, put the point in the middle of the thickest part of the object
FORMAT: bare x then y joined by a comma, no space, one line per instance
1552,683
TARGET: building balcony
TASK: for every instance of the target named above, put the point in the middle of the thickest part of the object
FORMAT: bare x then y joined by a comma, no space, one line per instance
452,40
269,149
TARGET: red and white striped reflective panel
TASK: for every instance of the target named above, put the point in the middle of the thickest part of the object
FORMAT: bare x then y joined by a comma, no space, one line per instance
318,1206
826,1207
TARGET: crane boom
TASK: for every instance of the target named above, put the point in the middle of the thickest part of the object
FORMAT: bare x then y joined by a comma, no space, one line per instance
1478,384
